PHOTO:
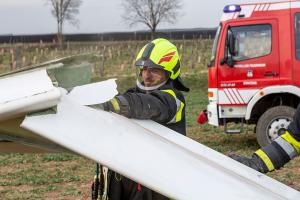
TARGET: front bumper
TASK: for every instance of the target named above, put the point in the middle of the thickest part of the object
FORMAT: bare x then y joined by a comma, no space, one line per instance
212,114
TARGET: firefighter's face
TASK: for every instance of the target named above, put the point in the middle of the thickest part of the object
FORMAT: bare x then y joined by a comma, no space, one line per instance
153,76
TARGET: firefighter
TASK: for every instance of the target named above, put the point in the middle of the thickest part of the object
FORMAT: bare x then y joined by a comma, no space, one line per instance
156,96
279,152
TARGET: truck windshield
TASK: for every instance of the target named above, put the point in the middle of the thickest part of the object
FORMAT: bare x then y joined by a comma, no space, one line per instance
214,49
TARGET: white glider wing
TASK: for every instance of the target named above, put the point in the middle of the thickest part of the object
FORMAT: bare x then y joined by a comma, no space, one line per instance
149,153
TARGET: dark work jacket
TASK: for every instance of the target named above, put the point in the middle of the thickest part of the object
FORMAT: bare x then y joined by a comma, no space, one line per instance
158,105
294,126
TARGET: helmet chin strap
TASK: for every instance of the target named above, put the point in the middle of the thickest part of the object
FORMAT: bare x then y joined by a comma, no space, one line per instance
142,87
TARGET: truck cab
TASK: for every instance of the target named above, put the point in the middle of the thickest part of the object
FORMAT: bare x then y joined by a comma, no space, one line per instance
253,74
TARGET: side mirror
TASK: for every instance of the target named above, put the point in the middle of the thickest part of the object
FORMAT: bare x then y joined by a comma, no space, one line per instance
231,50
228,60
232,45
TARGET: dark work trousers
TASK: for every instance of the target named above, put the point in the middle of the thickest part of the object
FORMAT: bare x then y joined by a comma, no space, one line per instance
122,188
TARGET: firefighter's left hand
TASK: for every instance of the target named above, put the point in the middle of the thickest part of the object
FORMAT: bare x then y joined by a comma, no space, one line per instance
254,162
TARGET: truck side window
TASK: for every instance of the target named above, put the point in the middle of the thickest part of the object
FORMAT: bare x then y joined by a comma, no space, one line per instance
252,41
297,35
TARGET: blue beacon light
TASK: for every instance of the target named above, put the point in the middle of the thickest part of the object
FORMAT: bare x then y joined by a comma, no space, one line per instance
232,8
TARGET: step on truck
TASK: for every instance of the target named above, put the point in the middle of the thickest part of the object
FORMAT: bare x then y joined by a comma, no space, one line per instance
254,71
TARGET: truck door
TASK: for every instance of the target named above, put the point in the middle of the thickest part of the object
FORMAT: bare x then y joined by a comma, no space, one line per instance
255,60
296,47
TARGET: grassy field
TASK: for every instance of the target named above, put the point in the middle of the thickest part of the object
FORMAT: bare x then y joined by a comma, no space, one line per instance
68,176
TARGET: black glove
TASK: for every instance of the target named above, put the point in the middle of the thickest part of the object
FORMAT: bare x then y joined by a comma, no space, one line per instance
254,162
118,105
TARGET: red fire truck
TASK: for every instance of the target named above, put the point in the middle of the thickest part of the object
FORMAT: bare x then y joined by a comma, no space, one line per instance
254,71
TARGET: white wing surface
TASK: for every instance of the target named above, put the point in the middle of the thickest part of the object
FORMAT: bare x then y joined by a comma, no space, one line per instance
144,151
154,156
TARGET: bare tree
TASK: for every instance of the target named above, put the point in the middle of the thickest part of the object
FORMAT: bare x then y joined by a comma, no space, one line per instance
150,12
64,10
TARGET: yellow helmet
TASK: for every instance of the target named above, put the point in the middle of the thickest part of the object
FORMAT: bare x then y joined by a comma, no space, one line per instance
160,53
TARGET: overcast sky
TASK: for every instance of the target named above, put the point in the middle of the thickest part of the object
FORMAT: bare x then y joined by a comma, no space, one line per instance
34,16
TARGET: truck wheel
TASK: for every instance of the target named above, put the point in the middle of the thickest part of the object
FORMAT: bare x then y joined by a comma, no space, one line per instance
273,123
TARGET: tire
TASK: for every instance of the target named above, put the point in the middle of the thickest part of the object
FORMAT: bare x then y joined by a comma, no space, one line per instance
273,123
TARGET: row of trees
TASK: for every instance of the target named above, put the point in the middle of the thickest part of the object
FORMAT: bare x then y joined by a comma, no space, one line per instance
146,12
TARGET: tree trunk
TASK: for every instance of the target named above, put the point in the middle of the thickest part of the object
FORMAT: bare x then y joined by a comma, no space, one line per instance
153,34
60,38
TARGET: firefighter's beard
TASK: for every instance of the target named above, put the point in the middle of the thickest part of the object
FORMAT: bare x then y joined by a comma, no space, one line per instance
150,82
149,88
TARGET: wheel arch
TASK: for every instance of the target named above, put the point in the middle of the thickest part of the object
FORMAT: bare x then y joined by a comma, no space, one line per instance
278,95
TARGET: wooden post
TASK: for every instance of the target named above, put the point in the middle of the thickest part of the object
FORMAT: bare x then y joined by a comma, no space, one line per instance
12,62
34,60
23,61
103,60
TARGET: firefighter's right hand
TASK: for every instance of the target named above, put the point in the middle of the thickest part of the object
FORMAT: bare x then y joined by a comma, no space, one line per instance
254,162
118,105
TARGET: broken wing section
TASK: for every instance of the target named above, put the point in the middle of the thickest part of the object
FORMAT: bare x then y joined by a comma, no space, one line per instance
33,91
94,93
22,93
26,92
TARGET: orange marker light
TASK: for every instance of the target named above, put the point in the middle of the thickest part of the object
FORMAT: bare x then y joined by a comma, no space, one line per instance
210,94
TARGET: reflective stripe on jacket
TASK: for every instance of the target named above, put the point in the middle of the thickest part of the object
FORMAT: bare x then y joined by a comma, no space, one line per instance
165,105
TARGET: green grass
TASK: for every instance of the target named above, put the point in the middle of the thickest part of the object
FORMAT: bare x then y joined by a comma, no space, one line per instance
44,176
